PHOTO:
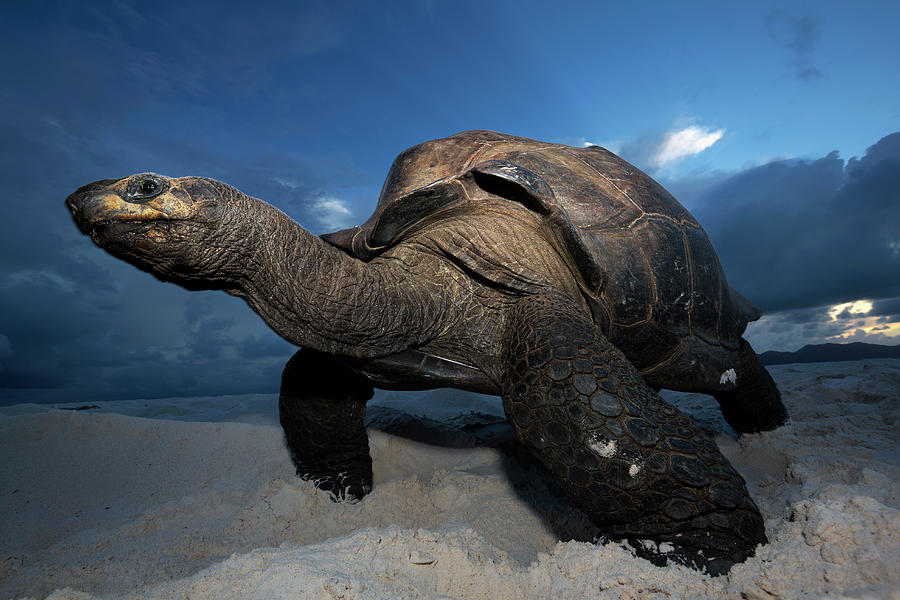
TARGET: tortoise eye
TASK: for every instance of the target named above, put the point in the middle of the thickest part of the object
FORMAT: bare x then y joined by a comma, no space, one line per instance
144,187
147,187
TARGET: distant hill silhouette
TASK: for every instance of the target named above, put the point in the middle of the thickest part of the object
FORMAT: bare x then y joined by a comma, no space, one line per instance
830,353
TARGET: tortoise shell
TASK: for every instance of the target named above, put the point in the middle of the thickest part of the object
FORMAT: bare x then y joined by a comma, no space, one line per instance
647,269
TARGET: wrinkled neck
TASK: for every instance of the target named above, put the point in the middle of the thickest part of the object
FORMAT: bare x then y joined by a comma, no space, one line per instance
314,295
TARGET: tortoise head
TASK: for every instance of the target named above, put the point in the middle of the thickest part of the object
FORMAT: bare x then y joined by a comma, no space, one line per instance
177,229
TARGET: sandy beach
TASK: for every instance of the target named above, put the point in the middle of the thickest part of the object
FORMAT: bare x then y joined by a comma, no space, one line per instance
196,498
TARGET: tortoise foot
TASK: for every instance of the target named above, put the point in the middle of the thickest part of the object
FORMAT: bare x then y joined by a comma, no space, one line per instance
755,404
639,468
322,406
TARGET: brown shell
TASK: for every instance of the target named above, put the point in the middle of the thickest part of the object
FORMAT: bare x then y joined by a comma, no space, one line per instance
648,270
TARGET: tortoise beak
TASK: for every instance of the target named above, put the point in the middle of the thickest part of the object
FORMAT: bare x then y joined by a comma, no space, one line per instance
99,202
82,206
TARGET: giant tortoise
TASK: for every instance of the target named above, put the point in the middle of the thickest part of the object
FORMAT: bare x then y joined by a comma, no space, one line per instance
563,279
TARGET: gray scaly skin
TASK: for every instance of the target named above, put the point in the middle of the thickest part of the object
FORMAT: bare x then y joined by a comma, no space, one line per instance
503,315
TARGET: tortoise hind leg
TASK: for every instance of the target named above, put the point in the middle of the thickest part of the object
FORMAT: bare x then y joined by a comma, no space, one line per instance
322,406
638,467
755,403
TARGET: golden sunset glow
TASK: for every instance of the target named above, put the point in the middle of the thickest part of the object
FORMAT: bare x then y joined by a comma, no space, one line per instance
860,307
869,326
862,325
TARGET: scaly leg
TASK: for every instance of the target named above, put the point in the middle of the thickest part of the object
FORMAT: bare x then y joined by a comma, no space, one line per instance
755,403
322,406
638,467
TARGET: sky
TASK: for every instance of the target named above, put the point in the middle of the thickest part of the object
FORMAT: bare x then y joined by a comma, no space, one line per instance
777,125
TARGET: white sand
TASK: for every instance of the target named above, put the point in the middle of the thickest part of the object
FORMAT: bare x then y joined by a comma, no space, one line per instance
102,505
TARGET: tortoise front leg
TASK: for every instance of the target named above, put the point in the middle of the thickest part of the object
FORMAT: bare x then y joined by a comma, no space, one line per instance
322,407
755,402
638,467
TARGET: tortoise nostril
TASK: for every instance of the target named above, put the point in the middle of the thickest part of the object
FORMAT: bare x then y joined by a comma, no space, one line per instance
74,202
78,204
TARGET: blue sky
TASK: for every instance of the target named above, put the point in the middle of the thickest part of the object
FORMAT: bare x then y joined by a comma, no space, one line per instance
751,114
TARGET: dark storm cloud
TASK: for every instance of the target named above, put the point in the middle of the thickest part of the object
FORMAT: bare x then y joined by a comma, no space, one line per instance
48,323
795,234
163,53
73,319
816,314
76,324
219,327
791,329
798,35
889,308
68,342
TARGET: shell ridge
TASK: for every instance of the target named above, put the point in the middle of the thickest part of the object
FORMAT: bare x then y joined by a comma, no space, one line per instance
571,152
689,261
